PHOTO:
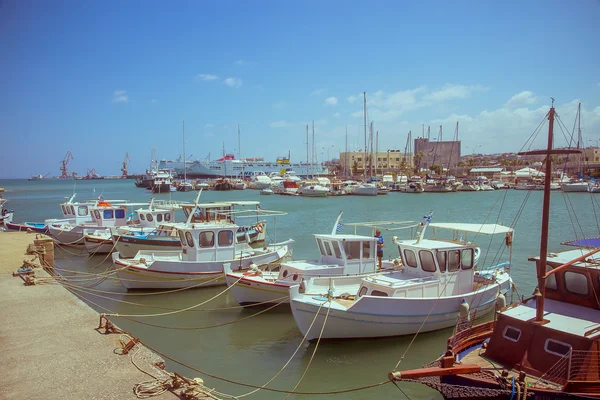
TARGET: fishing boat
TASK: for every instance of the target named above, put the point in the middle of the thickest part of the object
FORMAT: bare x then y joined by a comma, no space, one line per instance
546,346
163,182
164,236
266,191
313,190
363,189
148,220
440,277
207,249
340,255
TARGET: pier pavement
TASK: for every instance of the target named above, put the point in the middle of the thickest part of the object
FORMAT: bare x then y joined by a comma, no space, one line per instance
50,348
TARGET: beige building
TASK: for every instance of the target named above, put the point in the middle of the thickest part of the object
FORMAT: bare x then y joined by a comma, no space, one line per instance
353,163
444,153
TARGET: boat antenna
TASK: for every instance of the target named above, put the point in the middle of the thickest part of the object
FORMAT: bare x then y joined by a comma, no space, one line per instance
337,226
189,220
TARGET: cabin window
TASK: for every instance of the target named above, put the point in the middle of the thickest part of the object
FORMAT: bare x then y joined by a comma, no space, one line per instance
511,333
97,214
225,238
120,214
190,239
182,238
352,249
366,246
453,260
467,259
320,244
149,217
328,248
73,210
82,211
336,249
207,239
576,283
285,273
441,259
295,277
167,217
363,291
64,209
551,280
142,217
557,348
427,261
108,214
410,258
379,293
158,217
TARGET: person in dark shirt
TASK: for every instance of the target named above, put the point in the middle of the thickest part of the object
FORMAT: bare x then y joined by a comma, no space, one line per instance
380,244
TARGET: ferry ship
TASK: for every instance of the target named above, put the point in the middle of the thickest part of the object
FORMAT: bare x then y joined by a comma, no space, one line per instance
228,166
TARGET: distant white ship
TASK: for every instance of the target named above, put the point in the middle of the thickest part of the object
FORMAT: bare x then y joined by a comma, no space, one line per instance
229,166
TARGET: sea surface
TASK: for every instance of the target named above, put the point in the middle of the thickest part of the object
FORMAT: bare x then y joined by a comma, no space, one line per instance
254,346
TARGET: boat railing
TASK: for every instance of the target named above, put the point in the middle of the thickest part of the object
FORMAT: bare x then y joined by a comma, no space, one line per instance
404,282
490,268
575,368
466,337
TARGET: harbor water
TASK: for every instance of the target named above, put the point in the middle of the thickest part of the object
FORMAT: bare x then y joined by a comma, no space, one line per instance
253,346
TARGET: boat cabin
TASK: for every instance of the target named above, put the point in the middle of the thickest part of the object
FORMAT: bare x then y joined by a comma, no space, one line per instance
217,211
208,241
152,218
109,215
568,338
353,254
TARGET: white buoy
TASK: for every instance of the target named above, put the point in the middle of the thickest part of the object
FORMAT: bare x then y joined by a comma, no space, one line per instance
463,311
500,302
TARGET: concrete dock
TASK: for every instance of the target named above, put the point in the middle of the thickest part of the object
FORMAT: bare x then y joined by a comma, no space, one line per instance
50,348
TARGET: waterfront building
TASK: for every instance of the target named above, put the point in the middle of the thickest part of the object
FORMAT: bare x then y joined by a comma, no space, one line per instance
386,162
429,153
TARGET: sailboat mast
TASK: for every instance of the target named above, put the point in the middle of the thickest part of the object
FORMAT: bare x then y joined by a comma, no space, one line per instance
306,149
579,138
346,156
312,166
541,267
365,125
371,149
183,136
376,151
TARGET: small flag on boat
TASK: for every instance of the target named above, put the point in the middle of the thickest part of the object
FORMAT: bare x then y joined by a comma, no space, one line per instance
338,228
100,198
427,218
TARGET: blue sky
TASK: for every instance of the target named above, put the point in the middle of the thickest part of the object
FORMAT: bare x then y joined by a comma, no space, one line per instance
103,78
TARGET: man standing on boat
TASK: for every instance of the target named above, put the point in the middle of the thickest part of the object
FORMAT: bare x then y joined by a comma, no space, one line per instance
380,245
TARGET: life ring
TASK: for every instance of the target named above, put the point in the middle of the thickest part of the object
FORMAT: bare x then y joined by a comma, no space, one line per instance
259,228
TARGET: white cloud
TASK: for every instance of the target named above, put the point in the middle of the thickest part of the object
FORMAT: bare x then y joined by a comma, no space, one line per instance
336,115
233,82
279,124
352,99
241,63
453,91
206,77
120,96
279,105
318,92
521,99
332,101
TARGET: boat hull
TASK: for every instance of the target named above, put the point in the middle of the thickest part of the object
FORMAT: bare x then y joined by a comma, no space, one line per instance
384,316
24,226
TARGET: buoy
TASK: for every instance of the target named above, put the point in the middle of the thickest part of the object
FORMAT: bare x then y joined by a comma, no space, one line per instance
463,311
500,302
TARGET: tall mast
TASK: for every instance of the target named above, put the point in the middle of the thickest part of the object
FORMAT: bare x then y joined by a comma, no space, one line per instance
313,149
371,148
184,167
579,137
376,151
346,155
307,149
541,265
365,125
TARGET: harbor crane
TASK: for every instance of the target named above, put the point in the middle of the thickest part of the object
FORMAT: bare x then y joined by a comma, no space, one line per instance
124,169
65,162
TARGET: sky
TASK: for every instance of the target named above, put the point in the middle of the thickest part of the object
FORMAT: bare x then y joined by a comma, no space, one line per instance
104,78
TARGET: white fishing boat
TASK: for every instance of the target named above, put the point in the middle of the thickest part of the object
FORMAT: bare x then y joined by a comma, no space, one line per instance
207,248
341,255
103,215
148,220
266,191
411,187
439,279
577,186
259,181
246,214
